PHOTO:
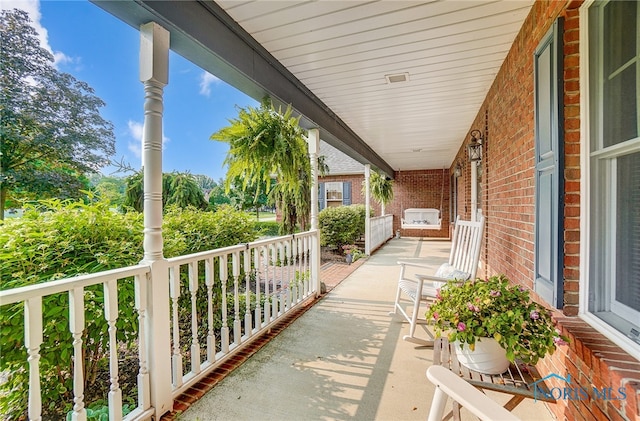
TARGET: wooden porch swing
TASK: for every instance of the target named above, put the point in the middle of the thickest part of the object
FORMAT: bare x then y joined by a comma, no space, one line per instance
424,218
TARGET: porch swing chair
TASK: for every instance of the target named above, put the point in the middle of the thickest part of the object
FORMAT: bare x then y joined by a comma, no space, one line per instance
424,218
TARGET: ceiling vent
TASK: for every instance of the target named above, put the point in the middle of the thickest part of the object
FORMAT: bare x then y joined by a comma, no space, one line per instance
397,78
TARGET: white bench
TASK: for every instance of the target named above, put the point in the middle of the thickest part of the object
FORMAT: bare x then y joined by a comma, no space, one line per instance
421,218
448,384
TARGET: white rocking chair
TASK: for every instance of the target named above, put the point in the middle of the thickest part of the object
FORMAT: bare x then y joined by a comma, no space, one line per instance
462,265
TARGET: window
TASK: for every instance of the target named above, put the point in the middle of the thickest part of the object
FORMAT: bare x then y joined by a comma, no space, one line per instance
614,165
334,193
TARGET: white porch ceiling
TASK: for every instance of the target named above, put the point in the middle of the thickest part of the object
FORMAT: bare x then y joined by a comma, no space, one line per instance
342,51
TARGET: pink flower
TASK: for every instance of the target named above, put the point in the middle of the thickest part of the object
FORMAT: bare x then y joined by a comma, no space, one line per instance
559,341
534,315
438,296
435,315
494,293
473,308
461,326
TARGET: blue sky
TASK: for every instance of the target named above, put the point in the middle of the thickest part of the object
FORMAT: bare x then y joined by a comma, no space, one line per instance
103,51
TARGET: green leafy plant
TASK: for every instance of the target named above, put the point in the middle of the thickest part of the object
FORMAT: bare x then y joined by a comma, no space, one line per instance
341,225
58,239
381,189
497,309
266,143
268,228
99,411
55,240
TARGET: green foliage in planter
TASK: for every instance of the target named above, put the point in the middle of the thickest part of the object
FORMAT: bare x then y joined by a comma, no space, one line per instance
341,225
496,309
63,239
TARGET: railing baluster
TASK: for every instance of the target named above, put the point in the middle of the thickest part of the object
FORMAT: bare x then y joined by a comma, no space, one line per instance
267,296
176,357
76,326
300,261
256,262
307,271
33,341
281,291
141,283
276,295
290,267
111,315
294,287
237,326
195,344
211,335
248,322
225,324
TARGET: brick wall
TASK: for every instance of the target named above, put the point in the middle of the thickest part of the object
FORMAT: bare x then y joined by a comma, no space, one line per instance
421,189
411,189
357,195
507,198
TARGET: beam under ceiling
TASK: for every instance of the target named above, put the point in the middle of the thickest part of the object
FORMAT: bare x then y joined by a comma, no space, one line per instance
203,33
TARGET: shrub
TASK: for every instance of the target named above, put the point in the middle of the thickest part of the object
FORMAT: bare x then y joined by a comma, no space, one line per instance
189,230
341,225
67,239
268,228
63,239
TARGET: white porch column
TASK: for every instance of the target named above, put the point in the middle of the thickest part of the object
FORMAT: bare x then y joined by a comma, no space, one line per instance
474,190
367,210
313,140
154,73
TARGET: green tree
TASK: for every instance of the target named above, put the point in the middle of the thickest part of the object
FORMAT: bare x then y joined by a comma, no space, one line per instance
111,189
50,124
265,143
248,197
204,182
179,189
218,196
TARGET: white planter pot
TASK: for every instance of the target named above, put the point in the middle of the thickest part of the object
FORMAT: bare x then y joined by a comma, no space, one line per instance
488,357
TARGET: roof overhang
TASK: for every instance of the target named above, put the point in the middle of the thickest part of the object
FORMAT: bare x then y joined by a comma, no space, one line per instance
202,32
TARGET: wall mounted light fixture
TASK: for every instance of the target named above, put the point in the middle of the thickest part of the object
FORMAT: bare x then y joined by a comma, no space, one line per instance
475,146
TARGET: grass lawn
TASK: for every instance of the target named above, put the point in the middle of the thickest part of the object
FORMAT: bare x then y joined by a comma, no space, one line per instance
264,216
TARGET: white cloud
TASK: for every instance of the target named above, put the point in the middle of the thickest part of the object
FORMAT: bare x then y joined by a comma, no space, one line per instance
32,7
135,131
60,58
206,80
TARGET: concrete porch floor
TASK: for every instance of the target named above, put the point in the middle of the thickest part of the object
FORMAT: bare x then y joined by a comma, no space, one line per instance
342,359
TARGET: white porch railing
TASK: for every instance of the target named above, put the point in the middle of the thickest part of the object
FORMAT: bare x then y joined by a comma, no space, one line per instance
220,300
381,230
261,280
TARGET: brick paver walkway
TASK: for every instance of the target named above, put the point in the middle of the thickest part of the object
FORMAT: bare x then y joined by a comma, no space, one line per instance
331,273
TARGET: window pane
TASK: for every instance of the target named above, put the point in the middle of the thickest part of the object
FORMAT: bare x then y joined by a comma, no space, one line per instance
334,190
619,107
628,230
620,38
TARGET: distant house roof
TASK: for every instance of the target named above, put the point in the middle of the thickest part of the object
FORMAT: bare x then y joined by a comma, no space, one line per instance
339,163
